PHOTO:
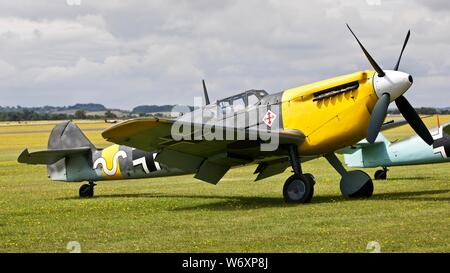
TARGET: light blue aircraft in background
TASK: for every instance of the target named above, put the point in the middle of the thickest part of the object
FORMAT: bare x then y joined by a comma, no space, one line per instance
409,151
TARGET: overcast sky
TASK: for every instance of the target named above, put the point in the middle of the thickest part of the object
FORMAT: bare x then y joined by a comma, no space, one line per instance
128,53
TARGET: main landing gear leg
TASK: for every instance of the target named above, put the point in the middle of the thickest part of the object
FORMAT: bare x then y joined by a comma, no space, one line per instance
87,190
299,188
353,183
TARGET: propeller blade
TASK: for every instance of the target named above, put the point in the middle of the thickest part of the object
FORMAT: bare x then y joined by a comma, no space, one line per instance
205,92
371,60
403,48
377,118
413,119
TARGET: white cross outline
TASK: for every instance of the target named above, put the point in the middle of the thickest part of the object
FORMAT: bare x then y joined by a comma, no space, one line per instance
437,135
141,161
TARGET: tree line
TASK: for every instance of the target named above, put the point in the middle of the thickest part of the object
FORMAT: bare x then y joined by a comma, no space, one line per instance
30,115
26,115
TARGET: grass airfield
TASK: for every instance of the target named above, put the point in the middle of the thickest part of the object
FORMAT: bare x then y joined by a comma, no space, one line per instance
409,212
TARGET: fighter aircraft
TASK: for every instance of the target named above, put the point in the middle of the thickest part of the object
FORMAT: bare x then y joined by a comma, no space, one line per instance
408,151
272,131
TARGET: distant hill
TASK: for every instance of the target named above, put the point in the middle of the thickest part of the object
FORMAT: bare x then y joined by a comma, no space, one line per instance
91,111
88,107
143,109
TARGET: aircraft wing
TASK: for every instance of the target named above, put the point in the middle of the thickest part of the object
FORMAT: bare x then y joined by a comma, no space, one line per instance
446,128
391,124
209,159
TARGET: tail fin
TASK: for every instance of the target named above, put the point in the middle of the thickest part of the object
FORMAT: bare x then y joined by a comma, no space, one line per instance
67,135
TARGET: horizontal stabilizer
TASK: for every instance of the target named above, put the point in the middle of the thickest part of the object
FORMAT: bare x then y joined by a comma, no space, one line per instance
49,157
362,144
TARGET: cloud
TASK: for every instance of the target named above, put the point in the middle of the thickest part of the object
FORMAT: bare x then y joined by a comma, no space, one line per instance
437,5
6,70
125,53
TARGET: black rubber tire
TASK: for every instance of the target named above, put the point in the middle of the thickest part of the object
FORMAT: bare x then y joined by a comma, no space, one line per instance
380,175
310,177
86,190
365,192
312,180
301,186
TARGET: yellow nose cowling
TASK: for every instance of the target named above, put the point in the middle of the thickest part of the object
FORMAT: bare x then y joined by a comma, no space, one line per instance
330,117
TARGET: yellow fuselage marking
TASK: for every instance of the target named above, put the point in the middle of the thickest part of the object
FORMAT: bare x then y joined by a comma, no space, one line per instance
331,123
108,154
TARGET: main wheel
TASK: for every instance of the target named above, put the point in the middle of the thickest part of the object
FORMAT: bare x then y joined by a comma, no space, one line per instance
298,189
310,177
380,175
86,190
312,181
356,184
365,192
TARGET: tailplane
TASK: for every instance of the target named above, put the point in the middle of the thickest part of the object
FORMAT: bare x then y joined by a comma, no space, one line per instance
364,154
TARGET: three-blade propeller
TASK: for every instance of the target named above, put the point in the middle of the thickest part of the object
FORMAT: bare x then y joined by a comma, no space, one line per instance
380,109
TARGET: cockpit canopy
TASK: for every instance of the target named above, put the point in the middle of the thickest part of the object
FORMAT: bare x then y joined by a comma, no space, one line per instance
241,101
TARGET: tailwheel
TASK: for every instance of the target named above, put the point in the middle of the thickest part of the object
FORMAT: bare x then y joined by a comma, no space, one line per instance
87,190
380,174
298,189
